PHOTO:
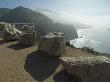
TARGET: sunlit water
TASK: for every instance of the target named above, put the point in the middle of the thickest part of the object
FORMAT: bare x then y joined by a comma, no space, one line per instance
96,37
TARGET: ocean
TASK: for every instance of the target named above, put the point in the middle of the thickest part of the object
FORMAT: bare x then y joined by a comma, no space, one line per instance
95,37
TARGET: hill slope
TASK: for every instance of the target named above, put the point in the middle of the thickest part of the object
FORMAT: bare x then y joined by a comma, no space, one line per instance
43,24
4,11
21,14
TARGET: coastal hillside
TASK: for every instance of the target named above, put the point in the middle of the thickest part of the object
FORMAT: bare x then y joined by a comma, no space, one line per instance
3,11
43,24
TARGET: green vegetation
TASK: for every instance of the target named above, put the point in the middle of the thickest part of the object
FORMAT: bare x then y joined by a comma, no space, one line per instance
1,36
70,45
3,11
92,51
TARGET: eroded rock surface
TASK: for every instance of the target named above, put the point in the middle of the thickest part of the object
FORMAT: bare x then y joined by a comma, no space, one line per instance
53,44
89,69
28,38
9,32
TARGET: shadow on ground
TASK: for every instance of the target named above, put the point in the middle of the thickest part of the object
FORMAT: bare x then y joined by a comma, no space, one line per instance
39,66
63,76
18,46
2,42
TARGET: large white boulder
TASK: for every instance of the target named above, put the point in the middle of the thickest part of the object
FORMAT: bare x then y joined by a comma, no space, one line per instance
89,69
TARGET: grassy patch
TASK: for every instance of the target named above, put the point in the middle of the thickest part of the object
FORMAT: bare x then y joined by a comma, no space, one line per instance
92,51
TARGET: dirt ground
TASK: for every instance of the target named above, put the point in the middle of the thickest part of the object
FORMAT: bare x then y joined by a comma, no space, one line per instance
20,63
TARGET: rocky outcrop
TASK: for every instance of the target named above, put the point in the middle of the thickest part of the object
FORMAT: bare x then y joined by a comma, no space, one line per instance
89,69
9,32
29,38
53,44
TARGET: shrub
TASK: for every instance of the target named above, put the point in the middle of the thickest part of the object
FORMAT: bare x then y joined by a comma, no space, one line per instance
90,50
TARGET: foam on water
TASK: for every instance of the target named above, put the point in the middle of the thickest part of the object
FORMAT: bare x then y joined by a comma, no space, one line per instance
83,42
97,38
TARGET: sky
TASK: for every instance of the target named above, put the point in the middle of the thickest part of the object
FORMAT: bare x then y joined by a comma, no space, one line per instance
82,7
85,11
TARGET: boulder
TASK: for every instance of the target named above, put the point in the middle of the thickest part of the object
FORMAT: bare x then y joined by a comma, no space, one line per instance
9,32
53,44
89,69
28,39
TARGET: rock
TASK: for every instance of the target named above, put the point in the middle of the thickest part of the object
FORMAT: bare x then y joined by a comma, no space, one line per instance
28,38
89,69
9,32
53,44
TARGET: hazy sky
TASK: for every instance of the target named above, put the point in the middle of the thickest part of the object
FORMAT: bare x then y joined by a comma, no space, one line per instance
81,7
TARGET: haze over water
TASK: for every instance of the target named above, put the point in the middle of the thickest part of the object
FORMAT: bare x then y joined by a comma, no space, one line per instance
97,37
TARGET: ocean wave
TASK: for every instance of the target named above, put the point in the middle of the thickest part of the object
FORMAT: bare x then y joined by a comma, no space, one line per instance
83,42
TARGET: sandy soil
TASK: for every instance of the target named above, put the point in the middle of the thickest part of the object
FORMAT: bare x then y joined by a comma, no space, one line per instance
19,63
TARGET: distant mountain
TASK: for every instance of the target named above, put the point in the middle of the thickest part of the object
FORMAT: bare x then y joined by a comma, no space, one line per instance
43,24
61,19
21,14
4,11
52,15
68,30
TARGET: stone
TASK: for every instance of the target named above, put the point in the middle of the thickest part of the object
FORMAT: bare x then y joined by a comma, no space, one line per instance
28,39
89,69
53,44
9,32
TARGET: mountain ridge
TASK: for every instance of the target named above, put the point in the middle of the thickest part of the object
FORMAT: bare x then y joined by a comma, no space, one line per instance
4,11
43,24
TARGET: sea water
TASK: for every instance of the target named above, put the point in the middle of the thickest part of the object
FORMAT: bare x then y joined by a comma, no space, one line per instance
95,37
